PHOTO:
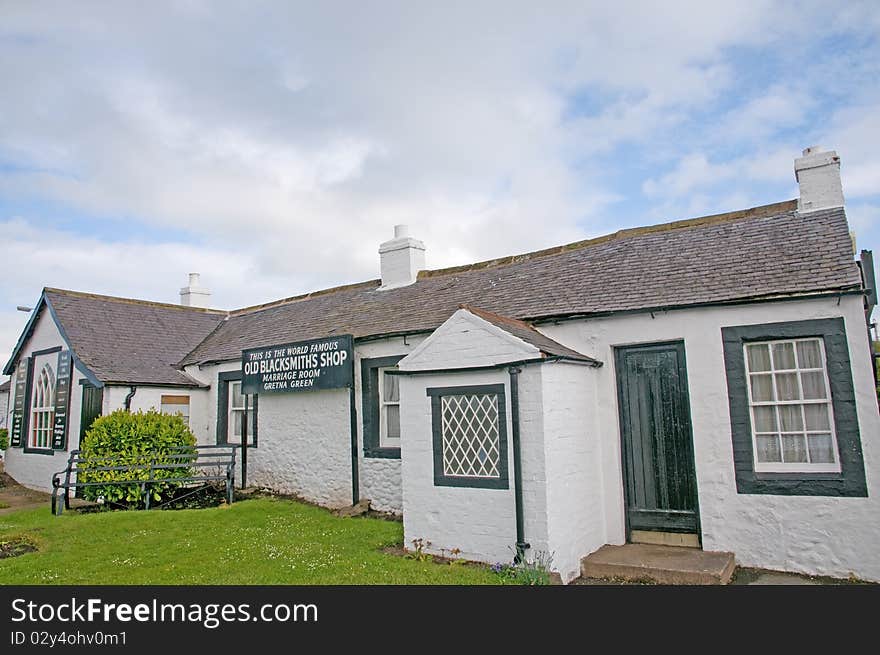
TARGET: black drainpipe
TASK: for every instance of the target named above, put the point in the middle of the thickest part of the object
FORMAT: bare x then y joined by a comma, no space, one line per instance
521,544
129,397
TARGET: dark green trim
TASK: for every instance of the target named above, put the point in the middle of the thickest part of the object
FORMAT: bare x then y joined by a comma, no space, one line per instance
442,480
521,545
851,479
45,351
353,432
684,520
223,380
91,377
370,405
26,418
869,280
92,398
553,359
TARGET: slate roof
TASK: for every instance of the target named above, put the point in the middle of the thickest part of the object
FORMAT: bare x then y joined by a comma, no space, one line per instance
530,335
4,387
131,341
763,252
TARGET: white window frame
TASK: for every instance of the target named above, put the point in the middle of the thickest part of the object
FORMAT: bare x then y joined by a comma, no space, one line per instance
384,440
43,412
231,410
163,404
791,467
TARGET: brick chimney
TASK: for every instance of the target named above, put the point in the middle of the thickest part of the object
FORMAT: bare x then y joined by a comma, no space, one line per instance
818,175
401,259
194,294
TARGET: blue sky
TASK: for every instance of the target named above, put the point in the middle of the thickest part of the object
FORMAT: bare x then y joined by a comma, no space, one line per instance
272,146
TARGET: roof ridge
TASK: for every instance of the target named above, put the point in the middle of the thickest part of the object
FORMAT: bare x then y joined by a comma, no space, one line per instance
753,212
484,313
760,211
134,301
303,296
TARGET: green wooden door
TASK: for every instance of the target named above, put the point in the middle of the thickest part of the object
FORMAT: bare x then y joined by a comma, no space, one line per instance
657,443
92,399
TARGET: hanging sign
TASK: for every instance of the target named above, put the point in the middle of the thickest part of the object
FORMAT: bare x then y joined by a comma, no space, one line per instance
62,401
18,416
326,363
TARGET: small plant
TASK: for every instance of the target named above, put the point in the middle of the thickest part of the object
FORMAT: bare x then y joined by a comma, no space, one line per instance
4,438
418,552
527,572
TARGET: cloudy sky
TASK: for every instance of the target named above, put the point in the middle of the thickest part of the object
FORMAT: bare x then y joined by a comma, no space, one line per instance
272,145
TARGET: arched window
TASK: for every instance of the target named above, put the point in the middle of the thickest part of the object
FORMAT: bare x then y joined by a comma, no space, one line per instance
43,413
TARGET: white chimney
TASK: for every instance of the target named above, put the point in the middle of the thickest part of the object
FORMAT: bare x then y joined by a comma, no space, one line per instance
818,175
194,294
401,259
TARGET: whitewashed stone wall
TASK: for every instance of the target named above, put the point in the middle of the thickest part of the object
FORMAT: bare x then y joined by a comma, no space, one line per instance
480,523
31,469
812,534
573,450
304,446
4,409
380,479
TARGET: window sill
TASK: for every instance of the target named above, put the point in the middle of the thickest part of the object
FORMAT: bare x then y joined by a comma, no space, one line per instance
38,451
468,482
382,453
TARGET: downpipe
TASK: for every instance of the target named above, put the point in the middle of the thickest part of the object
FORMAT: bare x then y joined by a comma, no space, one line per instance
521,544
128,398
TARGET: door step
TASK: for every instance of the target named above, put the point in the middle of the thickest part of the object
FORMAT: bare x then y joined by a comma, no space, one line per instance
688,539
672,565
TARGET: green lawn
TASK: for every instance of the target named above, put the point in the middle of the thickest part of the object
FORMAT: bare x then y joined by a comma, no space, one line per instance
259,541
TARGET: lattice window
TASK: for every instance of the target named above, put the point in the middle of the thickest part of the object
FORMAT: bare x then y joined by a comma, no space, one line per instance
470,436
43,409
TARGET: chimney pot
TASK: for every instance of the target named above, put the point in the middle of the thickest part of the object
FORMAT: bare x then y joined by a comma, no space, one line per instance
401,231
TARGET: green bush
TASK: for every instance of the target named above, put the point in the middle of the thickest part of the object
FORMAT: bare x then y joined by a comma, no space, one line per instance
4,438
135,440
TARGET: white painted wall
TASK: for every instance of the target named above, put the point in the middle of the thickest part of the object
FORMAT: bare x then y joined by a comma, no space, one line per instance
465,340
146,398
4,409
31,469
379,478
481,523
819,535
304,446
573,451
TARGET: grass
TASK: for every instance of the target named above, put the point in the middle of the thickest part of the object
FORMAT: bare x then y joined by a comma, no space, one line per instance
258,541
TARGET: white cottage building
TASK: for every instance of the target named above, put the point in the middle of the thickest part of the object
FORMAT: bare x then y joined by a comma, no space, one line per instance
707,382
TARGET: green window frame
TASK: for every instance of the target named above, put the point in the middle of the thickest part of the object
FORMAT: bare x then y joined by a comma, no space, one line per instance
469,434
850,479
371,406
224,382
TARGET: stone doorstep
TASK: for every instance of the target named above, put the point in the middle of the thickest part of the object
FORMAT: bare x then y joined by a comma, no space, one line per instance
672,565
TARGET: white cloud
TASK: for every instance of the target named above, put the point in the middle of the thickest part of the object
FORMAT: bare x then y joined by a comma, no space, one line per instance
279,142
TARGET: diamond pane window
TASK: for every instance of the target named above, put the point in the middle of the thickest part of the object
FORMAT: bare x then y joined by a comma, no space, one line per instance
791,410
470,436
